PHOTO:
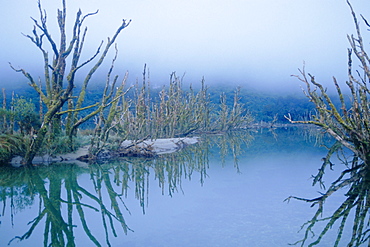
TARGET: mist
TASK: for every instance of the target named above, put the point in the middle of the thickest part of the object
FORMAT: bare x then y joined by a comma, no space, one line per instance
253,44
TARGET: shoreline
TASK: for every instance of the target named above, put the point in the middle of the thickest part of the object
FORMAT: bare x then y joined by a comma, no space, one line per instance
128,147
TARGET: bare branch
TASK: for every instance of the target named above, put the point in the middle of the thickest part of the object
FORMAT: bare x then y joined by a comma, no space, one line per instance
44,29
31,83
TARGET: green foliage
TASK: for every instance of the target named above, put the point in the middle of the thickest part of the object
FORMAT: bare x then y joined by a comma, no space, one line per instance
6,117
26,117
10,146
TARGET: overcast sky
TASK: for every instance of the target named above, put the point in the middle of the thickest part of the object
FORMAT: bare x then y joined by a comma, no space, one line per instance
257,43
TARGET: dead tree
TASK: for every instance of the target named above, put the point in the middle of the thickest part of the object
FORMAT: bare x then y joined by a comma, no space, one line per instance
349,124
59,78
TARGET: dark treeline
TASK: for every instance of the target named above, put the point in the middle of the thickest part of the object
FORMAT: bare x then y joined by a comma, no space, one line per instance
264,107
268,107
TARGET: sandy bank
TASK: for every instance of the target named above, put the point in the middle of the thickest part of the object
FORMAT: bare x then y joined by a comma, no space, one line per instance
156,147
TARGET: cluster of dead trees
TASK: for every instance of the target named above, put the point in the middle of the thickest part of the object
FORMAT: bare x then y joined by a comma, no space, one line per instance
174,112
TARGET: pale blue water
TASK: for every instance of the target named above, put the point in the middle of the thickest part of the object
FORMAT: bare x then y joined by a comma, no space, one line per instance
207,200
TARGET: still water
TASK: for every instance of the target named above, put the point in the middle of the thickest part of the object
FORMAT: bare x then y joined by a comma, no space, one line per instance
228,190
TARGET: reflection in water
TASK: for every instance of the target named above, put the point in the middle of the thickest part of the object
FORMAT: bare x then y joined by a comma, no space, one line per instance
355,177
58,230
231,142
66,200
58,189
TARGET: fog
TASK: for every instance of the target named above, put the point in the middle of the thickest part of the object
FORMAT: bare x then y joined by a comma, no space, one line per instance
254,44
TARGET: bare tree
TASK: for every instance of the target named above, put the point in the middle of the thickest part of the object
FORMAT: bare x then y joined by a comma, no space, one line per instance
59,78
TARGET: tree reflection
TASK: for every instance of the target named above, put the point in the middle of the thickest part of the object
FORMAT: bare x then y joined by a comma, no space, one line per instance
58,190
232,142
355,178
13,185
65,205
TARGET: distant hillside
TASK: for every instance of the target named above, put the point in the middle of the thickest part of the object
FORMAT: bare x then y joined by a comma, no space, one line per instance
263,106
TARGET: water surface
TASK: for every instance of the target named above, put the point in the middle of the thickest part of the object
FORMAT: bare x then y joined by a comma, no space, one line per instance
229,190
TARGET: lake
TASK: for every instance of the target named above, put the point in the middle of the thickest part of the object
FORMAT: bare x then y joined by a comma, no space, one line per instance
228,190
